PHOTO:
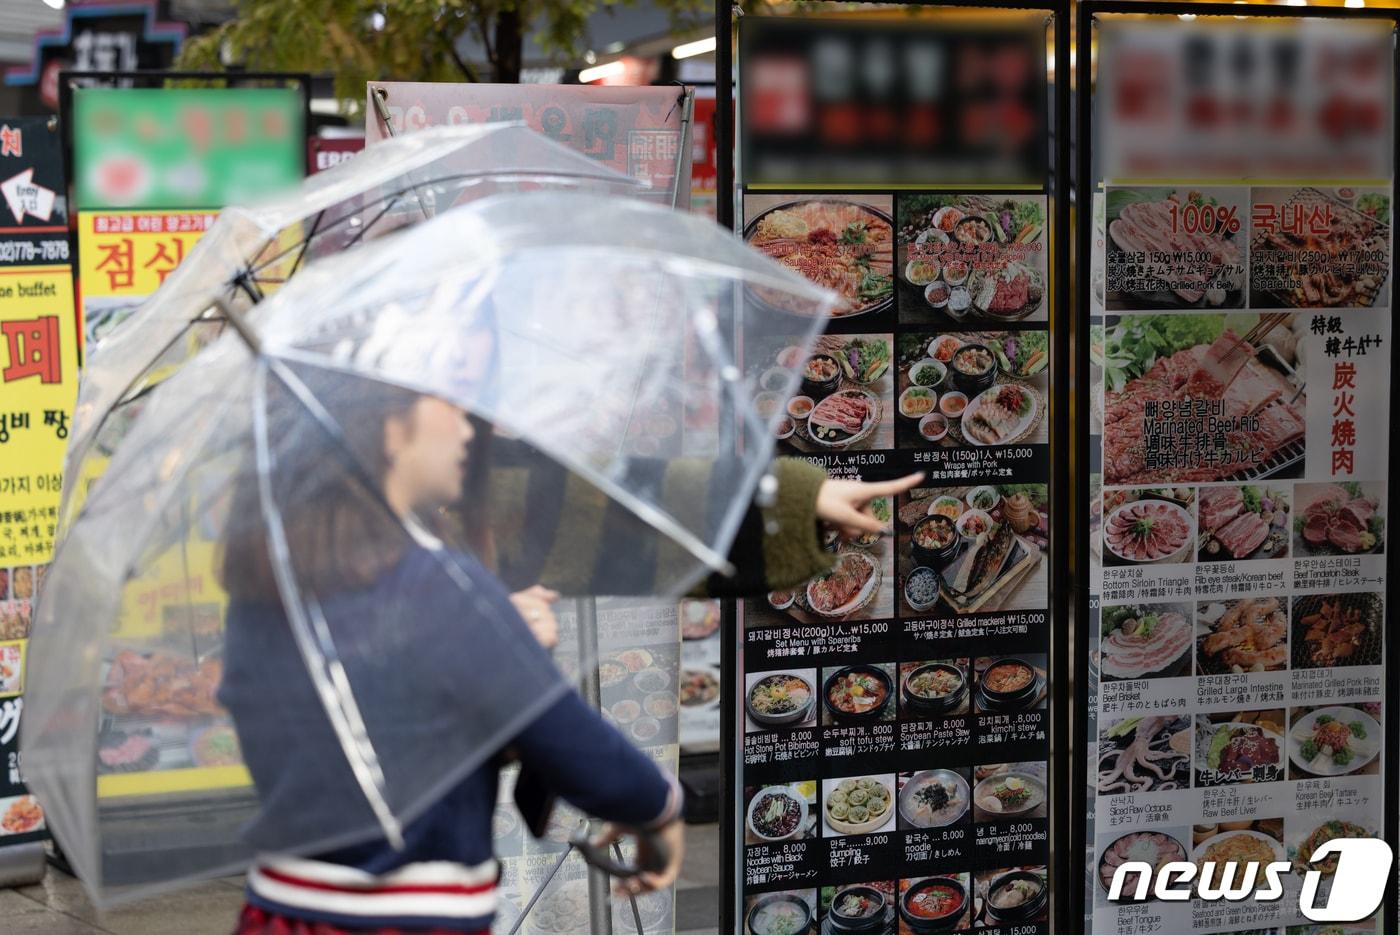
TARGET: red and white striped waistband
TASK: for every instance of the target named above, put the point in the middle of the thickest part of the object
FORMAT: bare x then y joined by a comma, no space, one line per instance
430,889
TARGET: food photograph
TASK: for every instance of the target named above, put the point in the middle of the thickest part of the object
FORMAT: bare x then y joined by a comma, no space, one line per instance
1290,227
778,813
934,798
1176,372
859,909
1145,754
1148,526
1010,683
639,694
858,805
784,913
1153,848
937,688
1234,748
842,242
1006,791
1332,630
22,583
1176,248
1144,641
844,400
1248,634
1305,837
20,814
966,258
1339,519
774,700
15,619
930,905
1245,522
860,585
973,389
858,694
11,668
969,549
1335,740
1008,897
1246,842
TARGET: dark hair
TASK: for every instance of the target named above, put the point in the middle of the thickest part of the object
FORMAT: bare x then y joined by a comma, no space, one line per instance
329,492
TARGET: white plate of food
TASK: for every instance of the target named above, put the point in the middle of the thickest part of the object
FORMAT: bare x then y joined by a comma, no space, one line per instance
1001,415
858,806
848,587
843,418
934,798
1009,794
1149,532
1334,741
1243,847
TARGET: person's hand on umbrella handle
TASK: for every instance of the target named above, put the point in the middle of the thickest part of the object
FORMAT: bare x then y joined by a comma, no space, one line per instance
659,856
536,606
845,504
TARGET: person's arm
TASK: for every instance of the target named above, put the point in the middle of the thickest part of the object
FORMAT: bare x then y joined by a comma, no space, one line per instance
574,753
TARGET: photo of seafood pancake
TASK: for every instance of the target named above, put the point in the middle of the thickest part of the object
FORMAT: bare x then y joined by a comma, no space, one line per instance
844,243
1174,381
1176,248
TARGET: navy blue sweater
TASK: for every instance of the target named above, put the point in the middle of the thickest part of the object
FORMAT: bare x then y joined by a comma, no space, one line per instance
411,690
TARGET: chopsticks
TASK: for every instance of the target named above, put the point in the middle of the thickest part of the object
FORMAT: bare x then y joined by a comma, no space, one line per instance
1256,334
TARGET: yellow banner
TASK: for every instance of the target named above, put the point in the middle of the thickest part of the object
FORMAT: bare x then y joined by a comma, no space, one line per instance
39,376
124,256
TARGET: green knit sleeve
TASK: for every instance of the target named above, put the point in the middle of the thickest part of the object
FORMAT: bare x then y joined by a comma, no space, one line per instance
792,551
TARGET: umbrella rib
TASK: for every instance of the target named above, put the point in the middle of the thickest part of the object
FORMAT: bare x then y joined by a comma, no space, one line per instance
306,244
326,671
442,180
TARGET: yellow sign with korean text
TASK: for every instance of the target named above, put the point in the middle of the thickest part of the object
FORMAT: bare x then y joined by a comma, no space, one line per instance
38,385
125,256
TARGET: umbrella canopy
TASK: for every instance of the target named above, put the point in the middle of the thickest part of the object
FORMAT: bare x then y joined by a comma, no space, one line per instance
276,622
250,252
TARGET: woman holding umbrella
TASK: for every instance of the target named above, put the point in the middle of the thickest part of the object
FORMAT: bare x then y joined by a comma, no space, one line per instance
369,539
420,451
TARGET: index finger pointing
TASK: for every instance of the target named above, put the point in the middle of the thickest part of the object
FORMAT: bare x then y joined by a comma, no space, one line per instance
884,488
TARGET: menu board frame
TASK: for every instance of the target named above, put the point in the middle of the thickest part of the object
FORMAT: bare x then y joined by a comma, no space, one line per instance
728,212
1080,879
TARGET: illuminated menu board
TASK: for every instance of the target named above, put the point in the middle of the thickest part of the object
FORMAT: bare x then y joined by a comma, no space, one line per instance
892,719
1239,298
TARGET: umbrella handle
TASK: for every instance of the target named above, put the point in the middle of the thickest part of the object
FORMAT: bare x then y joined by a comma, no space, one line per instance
653,856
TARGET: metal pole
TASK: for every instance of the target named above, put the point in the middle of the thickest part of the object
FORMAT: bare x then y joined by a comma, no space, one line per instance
599,901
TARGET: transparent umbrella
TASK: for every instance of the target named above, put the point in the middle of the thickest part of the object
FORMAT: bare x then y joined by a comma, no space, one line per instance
275,622
250,252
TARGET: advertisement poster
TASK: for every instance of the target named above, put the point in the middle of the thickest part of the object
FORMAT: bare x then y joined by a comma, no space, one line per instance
124,256
634,130
894,714
639,670
185,147
39,373
1241,386
33,198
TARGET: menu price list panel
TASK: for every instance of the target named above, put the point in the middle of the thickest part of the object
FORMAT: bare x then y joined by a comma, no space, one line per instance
1241,382
895,712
